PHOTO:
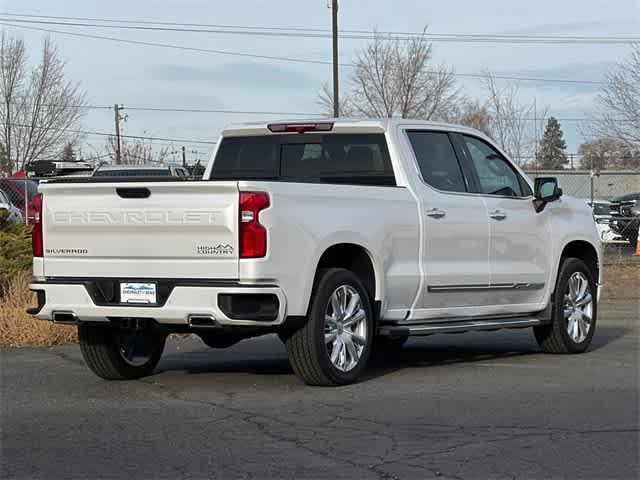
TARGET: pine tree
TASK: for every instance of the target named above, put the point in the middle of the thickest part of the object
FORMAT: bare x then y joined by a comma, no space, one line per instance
552,152
68,155
5,167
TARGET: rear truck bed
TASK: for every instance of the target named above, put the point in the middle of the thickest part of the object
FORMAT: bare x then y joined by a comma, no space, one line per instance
167,251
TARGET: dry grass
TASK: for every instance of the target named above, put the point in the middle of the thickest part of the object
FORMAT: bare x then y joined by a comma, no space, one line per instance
17,329
621,282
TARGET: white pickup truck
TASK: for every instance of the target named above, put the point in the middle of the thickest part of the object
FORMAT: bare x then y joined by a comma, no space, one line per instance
341,236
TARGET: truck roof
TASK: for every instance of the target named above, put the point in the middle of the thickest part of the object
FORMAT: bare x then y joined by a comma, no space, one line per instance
343,125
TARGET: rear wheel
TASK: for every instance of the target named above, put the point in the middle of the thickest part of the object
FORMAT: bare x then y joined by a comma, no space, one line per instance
574,311
115,353
333,346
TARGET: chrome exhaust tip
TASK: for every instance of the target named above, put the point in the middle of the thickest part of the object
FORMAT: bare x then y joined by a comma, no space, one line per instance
203,321
64,318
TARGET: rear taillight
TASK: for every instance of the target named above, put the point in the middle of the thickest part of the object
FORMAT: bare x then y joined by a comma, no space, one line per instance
36,231
252,236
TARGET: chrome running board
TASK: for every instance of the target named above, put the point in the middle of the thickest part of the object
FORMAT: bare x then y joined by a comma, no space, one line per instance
457,326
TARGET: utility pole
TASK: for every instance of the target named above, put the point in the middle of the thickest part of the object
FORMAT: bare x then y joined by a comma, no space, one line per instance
334,25
116,111
184,157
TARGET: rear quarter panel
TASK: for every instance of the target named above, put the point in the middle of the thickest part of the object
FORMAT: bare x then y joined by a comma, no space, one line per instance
304,220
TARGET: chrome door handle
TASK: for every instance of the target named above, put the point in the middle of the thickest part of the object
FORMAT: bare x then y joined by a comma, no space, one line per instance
436,213
498,215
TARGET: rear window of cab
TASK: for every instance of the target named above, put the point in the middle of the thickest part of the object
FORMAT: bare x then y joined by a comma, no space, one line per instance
358,159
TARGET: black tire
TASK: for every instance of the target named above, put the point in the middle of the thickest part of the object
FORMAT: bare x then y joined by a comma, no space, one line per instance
554,337
308,353
101,350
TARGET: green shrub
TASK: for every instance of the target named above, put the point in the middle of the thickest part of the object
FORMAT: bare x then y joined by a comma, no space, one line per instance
15,249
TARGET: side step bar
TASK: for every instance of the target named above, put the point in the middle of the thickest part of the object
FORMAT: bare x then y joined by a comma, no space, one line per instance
457,326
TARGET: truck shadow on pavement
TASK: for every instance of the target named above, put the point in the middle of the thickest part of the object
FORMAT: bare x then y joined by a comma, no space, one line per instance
270,359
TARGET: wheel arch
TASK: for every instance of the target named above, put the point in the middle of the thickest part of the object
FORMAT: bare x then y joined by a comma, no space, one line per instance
584,251
356,258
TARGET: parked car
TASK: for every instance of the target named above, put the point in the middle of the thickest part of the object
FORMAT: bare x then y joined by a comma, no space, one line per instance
625,211
602,216
16,189
341,236
8,211
141,171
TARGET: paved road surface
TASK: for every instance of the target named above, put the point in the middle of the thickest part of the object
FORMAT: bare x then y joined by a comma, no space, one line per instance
479,405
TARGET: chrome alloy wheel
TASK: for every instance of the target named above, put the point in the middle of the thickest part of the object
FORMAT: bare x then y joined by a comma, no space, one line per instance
345,328
578,307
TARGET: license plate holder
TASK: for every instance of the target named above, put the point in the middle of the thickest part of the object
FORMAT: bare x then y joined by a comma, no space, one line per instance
138,292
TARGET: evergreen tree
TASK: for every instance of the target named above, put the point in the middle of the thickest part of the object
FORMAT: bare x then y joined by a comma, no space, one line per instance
68,155
5,167
552,152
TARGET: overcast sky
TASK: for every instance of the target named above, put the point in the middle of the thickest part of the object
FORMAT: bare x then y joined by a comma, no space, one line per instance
160,77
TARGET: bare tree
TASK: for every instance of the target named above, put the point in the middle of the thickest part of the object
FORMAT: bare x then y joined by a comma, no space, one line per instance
39,107
12,73
608,153
510,125
136,152
475,115
619,102
325,100
394,77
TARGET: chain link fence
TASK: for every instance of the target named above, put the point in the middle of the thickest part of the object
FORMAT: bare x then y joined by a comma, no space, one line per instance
602,185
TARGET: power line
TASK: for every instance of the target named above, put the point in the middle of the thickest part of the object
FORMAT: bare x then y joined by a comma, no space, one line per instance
268,113
211,110
168,45
283,59
105,134
186,110
315,32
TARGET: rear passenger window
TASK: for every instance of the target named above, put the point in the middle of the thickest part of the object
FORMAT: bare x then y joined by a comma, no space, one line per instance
359,159
245,158
437,160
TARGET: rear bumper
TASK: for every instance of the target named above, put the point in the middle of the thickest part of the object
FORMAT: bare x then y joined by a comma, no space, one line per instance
183,303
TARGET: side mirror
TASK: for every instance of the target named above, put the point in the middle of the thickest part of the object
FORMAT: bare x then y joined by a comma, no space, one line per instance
545,190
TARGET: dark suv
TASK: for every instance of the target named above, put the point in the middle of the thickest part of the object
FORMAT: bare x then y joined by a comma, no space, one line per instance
625,216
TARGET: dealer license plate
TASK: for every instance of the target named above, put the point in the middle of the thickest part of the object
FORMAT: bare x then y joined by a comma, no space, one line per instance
137,292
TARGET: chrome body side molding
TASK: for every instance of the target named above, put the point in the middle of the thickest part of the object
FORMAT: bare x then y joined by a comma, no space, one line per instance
495,286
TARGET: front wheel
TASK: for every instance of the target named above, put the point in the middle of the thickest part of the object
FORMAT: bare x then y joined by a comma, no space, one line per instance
574,312
115,353
333,346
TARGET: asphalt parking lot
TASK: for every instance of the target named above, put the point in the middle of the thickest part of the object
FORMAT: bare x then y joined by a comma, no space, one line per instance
479,405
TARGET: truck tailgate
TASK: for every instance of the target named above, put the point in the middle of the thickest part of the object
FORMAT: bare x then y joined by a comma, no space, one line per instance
141,229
